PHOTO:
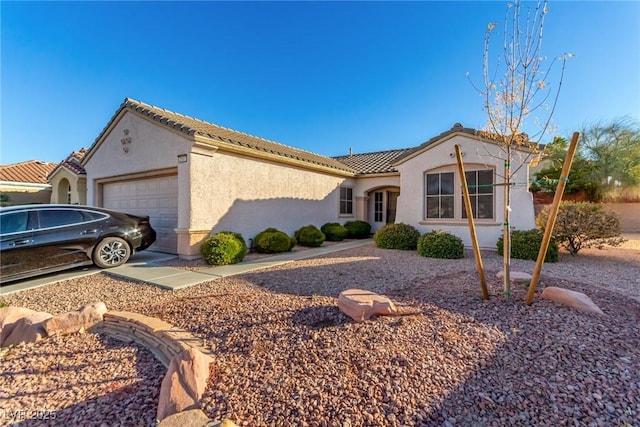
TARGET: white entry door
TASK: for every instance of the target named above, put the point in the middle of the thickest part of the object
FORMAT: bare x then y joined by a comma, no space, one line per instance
153,197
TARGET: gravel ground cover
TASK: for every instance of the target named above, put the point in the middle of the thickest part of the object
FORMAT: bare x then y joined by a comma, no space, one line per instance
79,380
285,355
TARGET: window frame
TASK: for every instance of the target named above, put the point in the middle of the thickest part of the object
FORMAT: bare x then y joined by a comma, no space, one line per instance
478,193
378,206
345,200
440,196
458,202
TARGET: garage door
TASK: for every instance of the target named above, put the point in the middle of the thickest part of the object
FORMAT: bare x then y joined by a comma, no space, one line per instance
155,197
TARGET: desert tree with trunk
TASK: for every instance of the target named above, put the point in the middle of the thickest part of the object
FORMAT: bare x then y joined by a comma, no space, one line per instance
520,89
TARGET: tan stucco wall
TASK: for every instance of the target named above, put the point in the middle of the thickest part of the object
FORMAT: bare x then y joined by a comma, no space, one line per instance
78,187
476,155
246,195
25,194
152,148
629,215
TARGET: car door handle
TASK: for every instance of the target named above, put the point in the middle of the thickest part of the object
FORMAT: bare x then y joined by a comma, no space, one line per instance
20,242
89,232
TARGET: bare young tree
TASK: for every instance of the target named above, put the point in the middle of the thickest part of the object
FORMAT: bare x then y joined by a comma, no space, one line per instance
519,96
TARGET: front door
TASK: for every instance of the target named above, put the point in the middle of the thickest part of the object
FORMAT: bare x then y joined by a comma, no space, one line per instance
392,204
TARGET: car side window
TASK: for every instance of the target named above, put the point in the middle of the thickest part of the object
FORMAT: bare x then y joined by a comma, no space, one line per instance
14,222
59,217
93,216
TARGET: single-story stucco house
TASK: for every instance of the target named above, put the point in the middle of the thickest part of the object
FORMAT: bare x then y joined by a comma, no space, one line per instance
193,177
26,182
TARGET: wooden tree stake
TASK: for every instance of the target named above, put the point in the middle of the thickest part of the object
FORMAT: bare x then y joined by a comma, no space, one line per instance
553,214
472,226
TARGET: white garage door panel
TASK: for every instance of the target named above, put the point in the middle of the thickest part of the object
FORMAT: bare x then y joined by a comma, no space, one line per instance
155,197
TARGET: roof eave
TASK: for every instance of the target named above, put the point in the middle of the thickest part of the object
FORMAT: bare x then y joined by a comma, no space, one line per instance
265,155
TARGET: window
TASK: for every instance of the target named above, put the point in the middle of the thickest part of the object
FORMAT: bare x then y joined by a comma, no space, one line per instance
14,222
439,198
346,201
59,217
480,185
377,203
444,198
69,195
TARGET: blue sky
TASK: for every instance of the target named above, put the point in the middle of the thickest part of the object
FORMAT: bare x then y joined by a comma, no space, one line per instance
322,76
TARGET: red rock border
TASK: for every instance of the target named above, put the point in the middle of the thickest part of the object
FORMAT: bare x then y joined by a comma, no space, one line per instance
167,343
164,340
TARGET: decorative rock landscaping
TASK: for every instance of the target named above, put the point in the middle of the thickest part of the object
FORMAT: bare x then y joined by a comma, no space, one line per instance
285,354
515,276
188,368
361,305
572,299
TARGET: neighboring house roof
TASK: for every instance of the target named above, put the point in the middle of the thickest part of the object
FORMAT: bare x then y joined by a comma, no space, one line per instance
376,162
73,163
31,171
195,127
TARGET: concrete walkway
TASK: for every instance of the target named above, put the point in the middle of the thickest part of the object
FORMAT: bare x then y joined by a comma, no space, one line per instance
146,266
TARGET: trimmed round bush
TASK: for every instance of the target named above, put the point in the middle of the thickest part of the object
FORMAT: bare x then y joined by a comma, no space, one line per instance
440,244
223,248
334,232
397,236
358,229
309,235
272,240
525,244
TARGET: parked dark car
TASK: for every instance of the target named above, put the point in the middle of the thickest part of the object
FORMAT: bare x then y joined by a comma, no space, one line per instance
38,239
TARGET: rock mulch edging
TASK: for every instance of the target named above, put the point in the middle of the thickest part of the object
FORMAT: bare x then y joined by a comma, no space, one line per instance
21,325
164,340
188,363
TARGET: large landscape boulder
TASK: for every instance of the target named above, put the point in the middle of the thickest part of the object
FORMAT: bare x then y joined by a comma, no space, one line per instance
361,305
75,321
184,383
21,325
573,299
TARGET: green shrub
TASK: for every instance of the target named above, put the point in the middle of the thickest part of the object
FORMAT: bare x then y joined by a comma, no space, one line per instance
334,232
309,235
3,304
583,225
440,244
526,245
397,236
272,240
223,248
358,229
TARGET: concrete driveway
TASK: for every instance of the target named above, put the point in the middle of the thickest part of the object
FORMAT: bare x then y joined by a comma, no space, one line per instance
139,258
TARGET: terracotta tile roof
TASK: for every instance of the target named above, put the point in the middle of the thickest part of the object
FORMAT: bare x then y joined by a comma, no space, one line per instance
31,171
191,126
377,162
73,163
458,128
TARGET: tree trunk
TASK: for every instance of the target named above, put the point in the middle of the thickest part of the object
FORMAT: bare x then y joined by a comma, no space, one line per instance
506,231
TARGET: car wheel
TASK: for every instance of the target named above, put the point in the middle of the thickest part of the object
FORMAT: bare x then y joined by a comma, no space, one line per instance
111,252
